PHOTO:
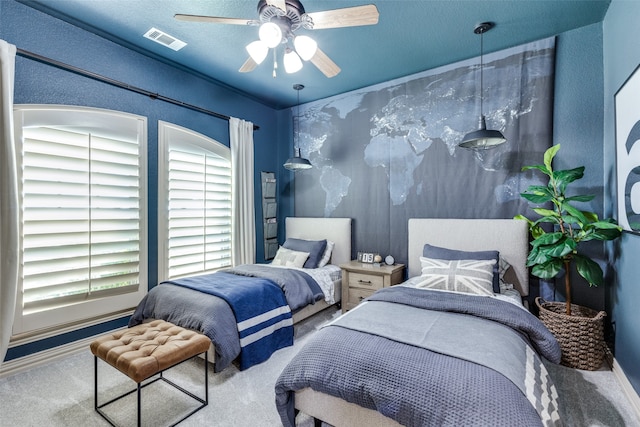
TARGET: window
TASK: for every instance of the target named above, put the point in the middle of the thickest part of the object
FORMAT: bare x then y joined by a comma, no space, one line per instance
194,212
82,179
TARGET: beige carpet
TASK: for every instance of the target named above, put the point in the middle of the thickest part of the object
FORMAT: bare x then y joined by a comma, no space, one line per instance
61,394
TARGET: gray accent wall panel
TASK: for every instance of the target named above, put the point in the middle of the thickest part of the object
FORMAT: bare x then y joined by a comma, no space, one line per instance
387,153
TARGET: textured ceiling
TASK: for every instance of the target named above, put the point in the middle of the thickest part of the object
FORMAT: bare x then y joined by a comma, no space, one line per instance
411,36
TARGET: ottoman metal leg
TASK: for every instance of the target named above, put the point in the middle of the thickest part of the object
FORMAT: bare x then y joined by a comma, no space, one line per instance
204,402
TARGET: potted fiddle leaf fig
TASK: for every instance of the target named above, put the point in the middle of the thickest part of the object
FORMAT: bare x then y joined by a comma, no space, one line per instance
558,249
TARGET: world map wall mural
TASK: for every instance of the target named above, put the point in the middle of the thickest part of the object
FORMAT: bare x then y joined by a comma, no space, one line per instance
387,153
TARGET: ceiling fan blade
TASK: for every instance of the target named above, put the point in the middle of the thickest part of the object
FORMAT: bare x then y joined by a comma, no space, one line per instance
215,19
347,17
249,65
280,4
325,64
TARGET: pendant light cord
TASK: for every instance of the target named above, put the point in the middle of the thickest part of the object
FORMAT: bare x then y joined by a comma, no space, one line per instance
481,74
296,126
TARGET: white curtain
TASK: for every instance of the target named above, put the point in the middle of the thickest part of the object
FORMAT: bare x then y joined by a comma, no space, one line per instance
243,210
8,199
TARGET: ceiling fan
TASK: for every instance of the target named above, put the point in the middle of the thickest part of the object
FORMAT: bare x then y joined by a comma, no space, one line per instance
280,19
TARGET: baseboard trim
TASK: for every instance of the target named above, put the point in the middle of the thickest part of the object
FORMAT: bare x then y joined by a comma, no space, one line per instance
627,388
33,360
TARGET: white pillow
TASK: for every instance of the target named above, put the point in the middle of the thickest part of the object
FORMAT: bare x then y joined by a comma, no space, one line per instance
288,258
469,276
327,254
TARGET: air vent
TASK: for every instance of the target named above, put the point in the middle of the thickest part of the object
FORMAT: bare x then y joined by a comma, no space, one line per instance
164,39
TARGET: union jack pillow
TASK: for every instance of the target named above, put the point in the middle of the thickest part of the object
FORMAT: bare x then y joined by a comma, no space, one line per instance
465,275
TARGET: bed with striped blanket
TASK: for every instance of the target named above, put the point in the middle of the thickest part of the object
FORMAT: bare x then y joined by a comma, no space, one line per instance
248,311
261,299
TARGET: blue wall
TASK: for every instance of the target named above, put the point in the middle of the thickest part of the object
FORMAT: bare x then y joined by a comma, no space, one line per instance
578,127
621,41
37,83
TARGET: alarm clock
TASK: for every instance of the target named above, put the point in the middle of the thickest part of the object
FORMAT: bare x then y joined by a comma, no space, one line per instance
389,260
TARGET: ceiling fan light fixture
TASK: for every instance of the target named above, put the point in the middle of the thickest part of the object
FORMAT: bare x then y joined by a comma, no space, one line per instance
483,138
292,62
258,51
305,46
270,33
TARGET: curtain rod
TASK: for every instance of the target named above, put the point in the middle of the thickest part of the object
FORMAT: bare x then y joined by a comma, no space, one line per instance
101,78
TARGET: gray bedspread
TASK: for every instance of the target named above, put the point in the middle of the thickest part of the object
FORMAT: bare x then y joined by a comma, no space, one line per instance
193,310
455,381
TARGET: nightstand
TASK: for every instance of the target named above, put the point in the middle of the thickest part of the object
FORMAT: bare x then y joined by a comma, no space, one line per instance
360,280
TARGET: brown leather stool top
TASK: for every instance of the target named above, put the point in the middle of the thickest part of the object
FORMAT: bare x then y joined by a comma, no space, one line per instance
149,348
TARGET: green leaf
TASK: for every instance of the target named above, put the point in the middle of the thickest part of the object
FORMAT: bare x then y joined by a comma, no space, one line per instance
606,234
539,189
549,155
606,225
536,231
563,177
547,239
589,269
548,219
567,176
523,218
541,168
570,219
575,213
560,249
537,198
547,270
569,246
590,216
584,198
537,257
546,212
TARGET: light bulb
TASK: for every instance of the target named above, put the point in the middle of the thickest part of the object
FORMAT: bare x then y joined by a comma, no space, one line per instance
305,46
292,62
257,51
270,33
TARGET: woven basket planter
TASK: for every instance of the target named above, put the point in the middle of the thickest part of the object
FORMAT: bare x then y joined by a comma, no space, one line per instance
581,335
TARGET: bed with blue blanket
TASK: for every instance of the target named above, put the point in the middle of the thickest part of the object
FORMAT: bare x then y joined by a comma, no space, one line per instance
448,347
248,311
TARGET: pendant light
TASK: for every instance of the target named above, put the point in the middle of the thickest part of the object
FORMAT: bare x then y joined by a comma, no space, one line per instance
296,162
483,138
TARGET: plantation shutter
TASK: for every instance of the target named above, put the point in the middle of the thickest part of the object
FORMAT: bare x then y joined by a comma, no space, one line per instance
81,215
199,209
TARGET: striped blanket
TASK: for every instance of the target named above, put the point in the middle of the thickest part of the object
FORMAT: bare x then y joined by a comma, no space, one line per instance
262,315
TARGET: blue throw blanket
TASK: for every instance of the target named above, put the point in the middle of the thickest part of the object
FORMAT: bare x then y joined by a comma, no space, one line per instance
259,295
263,317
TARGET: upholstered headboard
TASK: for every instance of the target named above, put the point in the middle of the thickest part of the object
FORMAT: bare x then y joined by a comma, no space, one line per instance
338,230
508,236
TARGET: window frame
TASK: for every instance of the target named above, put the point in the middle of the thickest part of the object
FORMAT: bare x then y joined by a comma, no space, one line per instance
166,132
106,304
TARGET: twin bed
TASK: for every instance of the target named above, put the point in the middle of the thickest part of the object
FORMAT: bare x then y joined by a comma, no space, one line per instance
417,356
248,311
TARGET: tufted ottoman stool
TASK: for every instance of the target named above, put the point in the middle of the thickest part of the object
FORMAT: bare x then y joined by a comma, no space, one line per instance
147,350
